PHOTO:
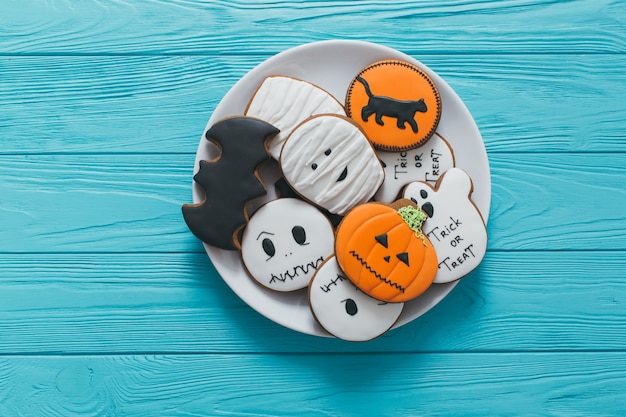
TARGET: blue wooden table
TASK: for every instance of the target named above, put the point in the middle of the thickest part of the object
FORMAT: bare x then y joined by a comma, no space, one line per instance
110,307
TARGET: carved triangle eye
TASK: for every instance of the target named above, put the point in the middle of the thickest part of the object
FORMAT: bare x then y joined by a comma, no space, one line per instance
382,239
403,257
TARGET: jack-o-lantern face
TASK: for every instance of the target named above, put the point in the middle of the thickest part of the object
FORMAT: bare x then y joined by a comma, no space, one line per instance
382,255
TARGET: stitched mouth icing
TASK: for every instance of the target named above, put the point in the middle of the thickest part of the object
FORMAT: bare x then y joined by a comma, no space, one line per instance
376,274
296,271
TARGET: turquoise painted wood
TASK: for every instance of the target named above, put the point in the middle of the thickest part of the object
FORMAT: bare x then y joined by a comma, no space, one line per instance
110,307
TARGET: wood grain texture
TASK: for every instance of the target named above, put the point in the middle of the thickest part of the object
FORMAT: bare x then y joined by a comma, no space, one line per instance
121,303
132,203
244,27
525,103
110,307
315,385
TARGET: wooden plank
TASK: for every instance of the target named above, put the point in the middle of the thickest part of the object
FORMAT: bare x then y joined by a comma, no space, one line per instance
215,27
112,203
176,302
287,385
95,104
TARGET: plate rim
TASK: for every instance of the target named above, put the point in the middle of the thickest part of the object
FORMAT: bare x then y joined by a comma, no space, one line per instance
437,292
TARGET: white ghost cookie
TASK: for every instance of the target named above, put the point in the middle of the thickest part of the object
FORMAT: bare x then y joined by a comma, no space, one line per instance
328,160
425,163
284,242
285,102
455,226
344,310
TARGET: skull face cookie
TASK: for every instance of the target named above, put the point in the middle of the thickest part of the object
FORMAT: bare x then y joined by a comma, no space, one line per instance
455,226
344,310
284,242
328,160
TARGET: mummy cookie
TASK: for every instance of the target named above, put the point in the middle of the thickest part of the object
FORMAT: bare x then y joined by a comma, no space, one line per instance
382,250
425,163
328,160
229,181
455,226
396,103
285,102
284,242
344,310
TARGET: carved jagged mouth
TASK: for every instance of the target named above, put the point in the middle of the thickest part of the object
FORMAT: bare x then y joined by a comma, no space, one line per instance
343,175
376,274
296,271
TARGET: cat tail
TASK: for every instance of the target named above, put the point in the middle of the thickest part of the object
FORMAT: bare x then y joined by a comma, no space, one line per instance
366,85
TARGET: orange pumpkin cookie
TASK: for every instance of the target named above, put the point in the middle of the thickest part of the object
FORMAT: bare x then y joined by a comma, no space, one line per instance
396,103
382,250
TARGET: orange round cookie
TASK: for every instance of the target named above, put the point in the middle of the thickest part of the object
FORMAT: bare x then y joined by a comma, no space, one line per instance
383,251
396,103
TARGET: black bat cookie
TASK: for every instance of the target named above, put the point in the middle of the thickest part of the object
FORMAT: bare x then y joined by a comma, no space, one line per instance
230,180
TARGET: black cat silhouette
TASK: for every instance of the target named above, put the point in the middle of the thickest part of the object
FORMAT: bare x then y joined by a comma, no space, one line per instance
402,110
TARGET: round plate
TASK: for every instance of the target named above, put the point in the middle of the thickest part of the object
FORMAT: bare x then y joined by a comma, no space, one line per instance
332,65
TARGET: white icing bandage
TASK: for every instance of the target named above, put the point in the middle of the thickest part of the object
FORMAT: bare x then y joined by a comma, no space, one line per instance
285,102
329,161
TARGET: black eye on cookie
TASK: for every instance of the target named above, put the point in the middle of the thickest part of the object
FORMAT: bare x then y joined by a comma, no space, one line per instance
299,235
350,305
426,207
268,247
326,152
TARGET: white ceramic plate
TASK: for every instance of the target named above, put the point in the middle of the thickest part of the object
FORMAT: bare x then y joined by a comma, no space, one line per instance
332,65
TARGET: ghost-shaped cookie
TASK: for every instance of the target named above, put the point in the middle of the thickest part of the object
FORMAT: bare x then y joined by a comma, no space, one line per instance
285,102
284,242
344,310
328,161
425,163
454,225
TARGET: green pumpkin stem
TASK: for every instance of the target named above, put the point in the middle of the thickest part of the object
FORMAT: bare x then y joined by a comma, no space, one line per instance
414,218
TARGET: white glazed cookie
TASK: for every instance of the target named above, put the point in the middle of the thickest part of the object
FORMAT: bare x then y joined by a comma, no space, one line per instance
425,163
328,160
285,102
284,242
344,310
455,226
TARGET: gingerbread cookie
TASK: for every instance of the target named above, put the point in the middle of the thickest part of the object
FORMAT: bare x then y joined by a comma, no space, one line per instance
344,310
396,103
455,226
284,242
425,163
285,102
382,250
229,181
328,160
